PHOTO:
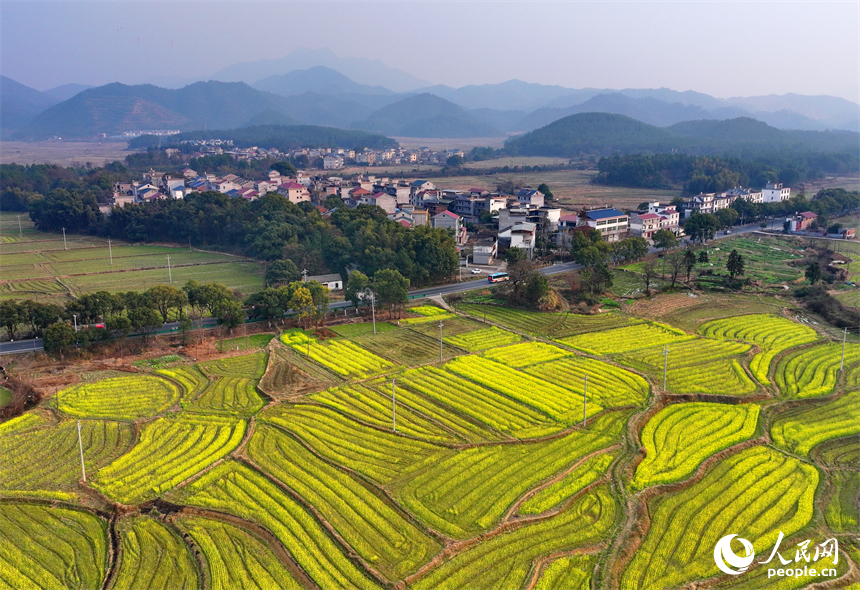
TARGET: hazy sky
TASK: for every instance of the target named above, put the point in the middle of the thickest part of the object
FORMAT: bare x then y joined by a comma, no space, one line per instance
720,48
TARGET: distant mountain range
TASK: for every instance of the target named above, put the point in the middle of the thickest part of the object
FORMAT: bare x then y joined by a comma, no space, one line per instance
605,134
316,87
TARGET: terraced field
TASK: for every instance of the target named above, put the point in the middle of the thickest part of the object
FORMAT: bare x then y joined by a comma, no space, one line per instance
685,527
374,465
153,556
771,333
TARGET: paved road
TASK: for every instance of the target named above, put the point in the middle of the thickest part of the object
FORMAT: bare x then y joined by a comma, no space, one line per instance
23,346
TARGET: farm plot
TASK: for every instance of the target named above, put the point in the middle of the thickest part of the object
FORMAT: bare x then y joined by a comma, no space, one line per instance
45,547
526,353
34,288
686,354
361,329
152,556
842,511
26,421
170,451
814,371
249,366
466,428
426,313
556,402
134,397
679,437
379,455
553,495
620,340
234,558
229,395
289,373
484,405
375,530
842,453
547,325
406,347
53,463
801,428
771,333
755,494
341,356
236,489
608,385
370,406
467,493
723,377
193,382
452,327
483,339
504,561
566,573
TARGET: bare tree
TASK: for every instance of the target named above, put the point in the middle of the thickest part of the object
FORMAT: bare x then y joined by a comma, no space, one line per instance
649,273
677,264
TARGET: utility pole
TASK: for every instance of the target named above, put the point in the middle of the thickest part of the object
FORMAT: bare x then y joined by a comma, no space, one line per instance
74,315
81,449
440,340
309,347
584,396
110,252
842,360
169,272
65,247
373,310
665,364
393,407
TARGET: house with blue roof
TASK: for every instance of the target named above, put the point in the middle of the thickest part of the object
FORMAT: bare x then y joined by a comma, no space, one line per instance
612,224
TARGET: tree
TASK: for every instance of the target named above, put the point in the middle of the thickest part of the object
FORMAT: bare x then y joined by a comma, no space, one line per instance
735,264
677,262
598,277
703,257
282,272
728,216
165,298
144,319
689,262
455,161
42,315
664,239
285,168
230,312
514,255
542,187
320,296
12,315
59,337
302,302
391,288
813,272
649,273
357,287
701,226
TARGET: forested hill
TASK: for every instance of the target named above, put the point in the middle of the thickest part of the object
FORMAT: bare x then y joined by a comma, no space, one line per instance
605,134
281,137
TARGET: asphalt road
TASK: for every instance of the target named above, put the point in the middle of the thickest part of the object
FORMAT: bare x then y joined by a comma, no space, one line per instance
23,346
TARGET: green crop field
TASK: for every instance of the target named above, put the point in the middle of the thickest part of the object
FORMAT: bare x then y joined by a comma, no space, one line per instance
540,452
37,265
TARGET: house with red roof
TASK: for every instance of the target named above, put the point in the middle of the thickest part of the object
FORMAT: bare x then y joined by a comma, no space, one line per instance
450,221
645,224
294,192
802,221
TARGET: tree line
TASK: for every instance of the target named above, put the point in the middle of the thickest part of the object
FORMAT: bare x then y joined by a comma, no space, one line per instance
708,174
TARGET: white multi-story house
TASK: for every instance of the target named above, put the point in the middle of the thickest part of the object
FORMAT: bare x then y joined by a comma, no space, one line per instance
774,192
332,162
612,223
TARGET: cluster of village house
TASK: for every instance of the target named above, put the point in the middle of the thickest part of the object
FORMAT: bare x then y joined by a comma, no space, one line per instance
522,217
332,158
